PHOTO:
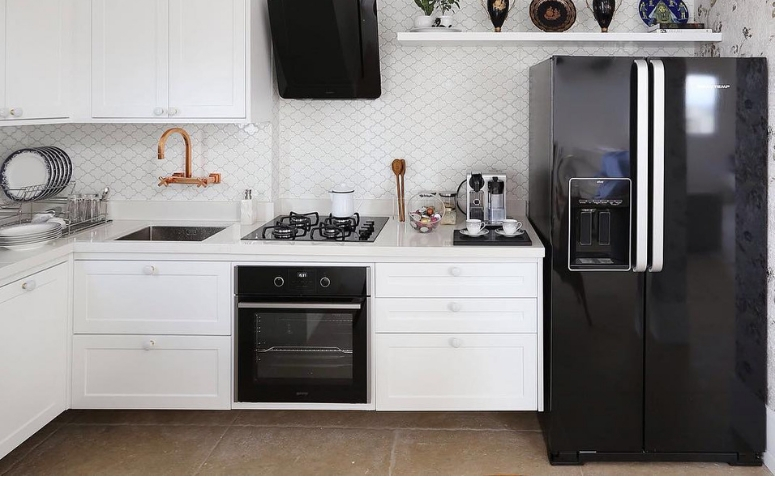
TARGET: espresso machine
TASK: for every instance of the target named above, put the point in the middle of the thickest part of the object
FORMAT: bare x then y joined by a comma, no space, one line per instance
486,198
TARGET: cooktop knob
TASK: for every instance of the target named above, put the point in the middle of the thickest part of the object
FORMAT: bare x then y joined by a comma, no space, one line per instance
325,282
279,281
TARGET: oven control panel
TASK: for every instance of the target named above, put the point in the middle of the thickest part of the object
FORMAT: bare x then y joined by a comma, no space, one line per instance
302,281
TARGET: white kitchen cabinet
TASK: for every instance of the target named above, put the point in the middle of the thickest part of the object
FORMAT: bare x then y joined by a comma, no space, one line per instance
36,59
177,60
151,372
33,354
452,280
129,58
456,372
444,315
208,58
147,297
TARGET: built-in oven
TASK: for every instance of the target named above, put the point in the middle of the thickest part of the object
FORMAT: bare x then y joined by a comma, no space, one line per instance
302,334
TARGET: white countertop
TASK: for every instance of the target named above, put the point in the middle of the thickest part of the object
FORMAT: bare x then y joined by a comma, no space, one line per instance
397,242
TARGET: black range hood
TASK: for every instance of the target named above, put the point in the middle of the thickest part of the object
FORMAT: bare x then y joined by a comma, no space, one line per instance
326,49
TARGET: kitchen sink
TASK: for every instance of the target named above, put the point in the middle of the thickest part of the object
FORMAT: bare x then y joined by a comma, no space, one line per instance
172,234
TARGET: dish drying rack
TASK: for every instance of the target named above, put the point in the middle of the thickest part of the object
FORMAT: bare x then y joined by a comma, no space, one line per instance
79,211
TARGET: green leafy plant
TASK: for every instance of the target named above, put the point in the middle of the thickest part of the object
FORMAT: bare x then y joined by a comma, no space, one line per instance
427,6
446,6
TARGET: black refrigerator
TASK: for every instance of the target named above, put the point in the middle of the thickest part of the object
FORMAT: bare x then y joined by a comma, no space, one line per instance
648,186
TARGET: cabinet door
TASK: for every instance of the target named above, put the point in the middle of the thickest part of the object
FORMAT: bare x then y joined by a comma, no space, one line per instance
151,372
33,353
138,297
208,58
38,47
130,58
462,372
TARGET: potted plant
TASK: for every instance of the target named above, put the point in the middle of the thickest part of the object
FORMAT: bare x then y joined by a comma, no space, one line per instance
446,7
427,7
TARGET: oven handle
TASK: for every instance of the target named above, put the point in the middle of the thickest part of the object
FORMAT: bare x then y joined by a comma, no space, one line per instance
300,306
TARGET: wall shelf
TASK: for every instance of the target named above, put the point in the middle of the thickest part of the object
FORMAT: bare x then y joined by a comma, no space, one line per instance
517,39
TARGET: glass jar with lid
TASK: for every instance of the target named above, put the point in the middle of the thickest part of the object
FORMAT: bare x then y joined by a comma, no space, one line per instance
450,207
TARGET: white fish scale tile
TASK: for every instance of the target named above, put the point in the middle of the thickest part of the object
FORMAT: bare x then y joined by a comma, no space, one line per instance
445,110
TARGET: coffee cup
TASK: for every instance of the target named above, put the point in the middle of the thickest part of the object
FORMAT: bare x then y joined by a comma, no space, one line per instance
474,226
511,226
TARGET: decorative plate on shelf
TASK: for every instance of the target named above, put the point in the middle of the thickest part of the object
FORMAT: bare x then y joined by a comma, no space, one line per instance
553,15
663,11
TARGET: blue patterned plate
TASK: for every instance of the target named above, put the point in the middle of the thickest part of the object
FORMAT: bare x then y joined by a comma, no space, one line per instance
663,11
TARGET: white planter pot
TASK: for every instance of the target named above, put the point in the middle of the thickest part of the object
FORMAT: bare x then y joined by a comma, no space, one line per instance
425,21
446,21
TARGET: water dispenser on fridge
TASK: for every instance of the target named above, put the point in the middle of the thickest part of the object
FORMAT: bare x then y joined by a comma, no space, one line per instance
600,224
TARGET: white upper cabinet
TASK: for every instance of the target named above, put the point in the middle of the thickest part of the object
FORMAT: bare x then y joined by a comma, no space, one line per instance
129,58
36,59
172,60
208,40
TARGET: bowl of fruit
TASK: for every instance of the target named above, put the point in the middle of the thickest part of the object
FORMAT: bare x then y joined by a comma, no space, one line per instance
426,210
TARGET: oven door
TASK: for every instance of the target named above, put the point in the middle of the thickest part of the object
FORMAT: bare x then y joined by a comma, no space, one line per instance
301,351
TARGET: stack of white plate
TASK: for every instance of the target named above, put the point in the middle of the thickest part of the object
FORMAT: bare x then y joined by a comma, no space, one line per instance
35,173
29,236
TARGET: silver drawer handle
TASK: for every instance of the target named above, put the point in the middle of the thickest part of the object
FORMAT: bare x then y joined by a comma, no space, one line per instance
299,306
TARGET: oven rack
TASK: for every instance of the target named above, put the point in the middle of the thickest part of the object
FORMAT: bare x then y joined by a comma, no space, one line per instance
304,349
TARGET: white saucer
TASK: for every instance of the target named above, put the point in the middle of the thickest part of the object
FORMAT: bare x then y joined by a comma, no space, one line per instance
435,29
501,232
481,233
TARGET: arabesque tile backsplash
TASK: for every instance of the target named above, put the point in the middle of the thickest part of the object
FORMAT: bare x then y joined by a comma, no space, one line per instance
445,110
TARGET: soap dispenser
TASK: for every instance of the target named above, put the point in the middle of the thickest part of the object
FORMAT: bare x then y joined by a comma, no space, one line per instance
247,214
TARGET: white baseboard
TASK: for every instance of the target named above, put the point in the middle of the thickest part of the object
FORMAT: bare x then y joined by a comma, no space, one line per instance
769,454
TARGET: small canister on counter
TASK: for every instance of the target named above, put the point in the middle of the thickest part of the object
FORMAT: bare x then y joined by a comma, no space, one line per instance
450,208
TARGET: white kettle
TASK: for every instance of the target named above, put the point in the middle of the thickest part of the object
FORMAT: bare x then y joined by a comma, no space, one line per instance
342,202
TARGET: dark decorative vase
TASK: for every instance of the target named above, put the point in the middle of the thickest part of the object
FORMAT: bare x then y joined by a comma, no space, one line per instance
498,11
603,10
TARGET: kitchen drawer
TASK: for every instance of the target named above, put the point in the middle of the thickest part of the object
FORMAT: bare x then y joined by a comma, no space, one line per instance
146,297
151,372
456,372
449,315
472,280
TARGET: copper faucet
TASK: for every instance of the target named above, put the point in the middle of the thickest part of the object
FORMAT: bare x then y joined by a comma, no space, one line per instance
184,178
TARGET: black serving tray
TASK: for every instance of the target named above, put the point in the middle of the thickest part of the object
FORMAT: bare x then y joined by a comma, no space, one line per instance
492,239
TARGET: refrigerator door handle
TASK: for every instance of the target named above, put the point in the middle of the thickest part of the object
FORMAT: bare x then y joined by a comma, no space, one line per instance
642,169
658,168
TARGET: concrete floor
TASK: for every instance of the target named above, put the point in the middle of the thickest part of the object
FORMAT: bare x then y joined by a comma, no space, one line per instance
305,443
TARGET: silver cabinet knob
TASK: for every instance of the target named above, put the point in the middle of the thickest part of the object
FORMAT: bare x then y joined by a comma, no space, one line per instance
456,342
4,112
149,345
455,271
17,112
29,286
150,270
159,111
174,111
455,307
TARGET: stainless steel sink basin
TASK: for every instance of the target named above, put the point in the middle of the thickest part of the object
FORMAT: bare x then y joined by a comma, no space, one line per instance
172,234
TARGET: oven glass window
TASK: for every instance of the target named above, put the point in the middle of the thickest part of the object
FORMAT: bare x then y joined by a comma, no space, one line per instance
303,346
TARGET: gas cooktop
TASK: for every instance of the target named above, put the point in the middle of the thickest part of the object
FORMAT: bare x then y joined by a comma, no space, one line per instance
314,228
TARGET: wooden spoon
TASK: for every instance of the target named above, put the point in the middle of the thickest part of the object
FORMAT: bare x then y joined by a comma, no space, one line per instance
403,190
396,166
